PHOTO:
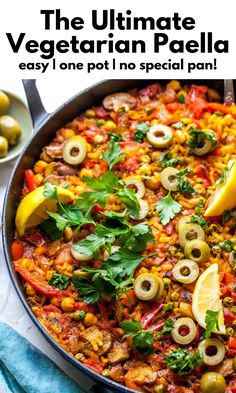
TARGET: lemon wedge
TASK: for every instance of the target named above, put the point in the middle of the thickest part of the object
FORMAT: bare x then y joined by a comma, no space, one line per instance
206,296
224,197
32,209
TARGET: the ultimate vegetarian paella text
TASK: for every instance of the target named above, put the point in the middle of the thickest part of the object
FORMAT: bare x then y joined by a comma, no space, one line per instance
126,241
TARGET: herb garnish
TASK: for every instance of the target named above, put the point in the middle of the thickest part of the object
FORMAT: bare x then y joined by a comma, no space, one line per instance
142,340
182,361
199,220
212,321
184,185
142,129
167,208
169,325
60,281
166,160
197,138
114,153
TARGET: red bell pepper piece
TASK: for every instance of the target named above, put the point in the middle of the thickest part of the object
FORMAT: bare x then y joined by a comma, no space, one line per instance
227,109
172,119
156,326
228,278
130,300
17,250
37,282
29,178
232,342
148,317
229,317
97,367
203,173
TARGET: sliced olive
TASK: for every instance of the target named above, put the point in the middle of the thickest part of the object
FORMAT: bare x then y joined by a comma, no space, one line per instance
75,150
10,129
160,136
183,221
207,144
137,183
190,232
169,179
117,100
3,147
147,286
4,103
212,350
184,331
197,250
143,210
186,271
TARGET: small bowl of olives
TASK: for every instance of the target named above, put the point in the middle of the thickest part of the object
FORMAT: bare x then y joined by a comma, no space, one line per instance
15,126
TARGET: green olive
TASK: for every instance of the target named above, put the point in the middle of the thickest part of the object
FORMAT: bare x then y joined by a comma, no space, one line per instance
75,150
160,136
212,383
190,232
3,147
186,324
234,364
147,286
185,271
218,350
169,179
183,221
197,250
10,129
4,103
207,144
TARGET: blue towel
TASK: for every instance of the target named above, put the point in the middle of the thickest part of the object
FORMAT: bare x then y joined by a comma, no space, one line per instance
24,369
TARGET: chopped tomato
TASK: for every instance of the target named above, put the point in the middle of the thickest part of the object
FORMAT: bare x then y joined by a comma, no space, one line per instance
169,228
196,92
228,278
130,300
37,282
195,100
97,367
148,317
101,112
229,317
131,164
172,107
17,250
173,119
151,90
232,342
203,173
29,178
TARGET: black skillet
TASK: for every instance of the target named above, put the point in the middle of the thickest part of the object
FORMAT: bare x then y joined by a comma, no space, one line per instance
45,125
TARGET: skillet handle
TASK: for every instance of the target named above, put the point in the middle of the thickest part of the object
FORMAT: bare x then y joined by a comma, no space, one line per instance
37,110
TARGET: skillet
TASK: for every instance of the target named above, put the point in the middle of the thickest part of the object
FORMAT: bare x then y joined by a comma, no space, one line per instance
45,126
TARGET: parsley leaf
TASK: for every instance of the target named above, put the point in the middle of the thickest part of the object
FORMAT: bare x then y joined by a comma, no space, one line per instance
142,129
50,191
227,245
182,361
199,209
167,208
115,137
223,176
200,221
114,154
137,237
90,290
87,200
169,307
184,186
92,244
212,321
197,138
166,160
60,281
108,182
50,228
128,197
141,340
226,216
169,325
70,215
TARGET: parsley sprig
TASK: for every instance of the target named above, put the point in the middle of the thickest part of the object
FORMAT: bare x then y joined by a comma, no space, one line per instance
114,153
142,129
167,208
212,321
60,281
166,160
184,185
142,340
182,361
197,138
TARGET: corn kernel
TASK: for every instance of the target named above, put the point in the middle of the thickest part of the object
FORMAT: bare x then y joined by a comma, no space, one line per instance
40,166
68,233
110,125
90,319
175,85
38,179
67,133
55,301
67,304
29,290
49,274
86,172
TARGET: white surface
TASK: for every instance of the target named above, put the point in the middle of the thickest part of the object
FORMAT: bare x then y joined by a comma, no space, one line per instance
11,309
